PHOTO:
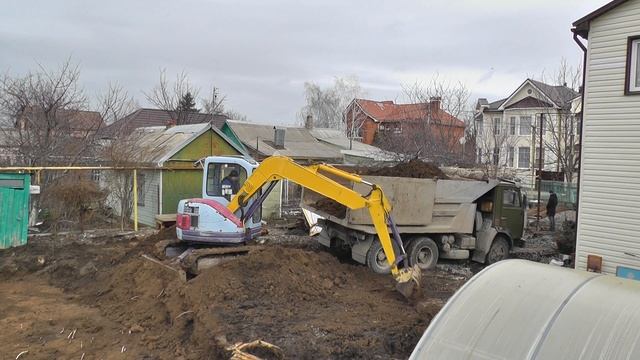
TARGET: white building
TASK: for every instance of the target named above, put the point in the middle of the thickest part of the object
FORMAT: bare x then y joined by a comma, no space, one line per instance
609,200
508,130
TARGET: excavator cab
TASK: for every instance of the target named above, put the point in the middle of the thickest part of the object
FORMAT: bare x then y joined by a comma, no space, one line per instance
207,219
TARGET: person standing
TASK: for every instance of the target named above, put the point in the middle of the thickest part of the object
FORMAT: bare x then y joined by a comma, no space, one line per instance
551,210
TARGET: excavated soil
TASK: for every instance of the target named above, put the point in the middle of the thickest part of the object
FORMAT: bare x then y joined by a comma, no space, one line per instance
65,297
412,169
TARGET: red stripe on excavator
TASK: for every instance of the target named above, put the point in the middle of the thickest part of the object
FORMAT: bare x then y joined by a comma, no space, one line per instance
219,208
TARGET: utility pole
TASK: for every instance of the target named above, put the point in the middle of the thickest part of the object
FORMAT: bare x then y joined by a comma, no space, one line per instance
540,170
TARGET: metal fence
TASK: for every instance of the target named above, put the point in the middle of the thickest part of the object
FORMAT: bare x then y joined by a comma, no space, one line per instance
567,192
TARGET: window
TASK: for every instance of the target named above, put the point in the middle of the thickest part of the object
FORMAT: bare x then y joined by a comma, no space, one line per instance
512,125
510,155
632,79
220,181
510,198
497,123
525,125
394,127
496,155
524,154
479,126
140,189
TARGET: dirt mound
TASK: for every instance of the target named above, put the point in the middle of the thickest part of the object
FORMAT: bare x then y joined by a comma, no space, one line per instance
412,169
306,302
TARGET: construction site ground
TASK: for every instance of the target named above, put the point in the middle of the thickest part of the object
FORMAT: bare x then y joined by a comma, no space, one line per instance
93,296
70,295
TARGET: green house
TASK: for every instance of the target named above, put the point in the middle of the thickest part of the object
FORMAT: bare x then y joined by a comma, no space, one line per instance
172,154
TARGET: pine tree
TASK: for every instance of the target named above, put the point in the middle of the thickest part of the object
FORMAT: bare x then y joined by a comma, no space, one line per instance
187,103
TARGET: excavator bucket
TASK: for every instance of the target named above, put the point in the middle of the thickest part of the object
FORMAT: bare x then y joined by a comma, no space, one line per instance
408,281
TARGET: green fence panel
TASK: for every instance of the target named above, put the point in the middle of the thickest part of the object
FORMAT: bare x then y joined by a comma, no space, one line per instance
14,209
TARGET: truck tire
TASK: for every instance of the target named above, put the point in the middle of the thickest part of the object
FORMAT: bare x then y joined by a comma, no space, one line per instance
498,251
376,259
423,252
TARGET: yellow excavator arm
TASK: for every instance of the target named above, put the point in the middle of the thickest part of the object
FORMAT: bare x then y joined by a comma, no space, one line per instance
277,168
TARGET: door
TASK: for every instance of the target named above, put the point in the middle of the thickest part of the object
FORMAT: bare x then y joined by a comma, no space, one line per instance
510,210
14,209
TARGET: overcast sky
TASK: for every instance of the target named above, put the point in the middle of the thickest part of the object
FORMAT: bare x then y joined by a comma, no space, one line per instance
260,53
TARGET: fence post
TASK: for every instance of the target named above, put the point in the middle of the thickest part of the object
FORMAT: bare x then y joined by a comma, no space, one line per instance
135,200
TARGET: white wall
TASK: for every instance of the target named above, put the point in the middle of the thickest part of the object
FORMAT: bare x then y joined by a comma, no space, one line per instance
609,222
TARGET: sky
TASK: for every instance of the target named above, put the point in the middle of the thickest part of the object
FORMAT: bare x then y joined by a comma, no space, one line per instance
260,53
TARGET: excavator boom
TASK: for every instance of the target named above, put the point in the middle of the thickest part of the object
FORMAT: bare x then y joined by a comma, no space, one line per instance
277,168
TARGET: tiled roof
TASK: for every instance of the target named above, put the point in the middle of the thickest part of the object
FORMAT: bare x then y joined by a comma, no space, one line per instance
389,111
156,117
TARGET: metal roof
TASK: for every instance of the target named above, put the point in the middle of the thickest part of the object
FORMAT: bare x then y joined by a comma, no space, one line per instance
158,143
299,143
338,139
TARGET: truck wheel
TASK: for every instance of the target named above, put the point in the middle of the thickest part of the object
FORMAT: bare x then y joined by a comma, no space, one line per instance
423,252
376,259
498,251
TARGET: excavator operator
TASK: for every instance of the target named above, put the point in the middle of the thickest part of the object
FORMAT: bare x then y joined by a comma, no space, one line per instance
230,184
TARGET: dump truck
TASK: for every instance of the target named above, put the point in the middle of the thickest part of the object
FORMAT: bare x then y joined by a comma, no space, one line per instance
436,219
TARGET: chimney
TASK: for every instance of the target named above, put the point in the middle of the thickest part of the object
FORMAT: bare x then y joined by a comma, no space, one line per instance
308,122
434,104
278,137
171,123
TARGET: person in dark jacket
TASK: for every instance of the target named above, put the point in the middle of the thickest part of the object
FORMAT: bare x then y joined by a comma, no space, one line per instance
230,185
551,210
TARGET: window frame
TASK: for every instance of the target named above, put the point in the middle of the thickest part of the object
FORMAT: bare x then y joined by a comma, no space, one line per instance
530,118
497,125
512,125
528,158
631,66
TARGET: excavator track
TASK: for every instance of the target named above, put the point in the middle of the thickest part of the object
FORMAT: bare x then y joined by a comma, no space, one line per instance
194,258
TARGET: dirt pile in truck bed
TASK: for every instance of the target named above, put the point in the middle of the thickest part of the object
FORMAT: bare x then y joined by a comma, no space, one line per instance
412,169
307,302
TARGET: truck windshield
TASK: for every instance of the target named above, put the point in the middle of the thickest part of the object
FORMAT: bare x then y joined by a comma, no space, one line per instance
510,198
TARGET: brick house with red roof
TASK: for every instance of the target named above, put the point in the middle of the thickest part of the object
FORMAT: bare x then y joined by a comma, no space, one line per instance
372,122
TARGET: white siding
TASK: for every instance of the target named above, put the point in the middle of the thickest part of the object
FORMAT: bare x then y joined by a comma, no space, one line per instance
147,212
609,211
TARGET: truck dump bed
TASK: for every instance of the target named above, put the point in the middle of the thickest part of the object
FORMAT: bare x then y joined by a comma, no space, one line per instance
419,205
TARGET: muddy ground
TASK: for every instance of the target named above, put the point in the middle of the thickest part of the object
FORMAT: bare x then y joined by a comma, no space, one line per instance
95,297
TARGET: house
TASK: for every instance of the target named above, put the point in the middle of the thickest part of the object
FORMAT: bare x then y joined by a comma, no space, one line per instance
508,136
388,125
609,197
168,155
75,123
157,117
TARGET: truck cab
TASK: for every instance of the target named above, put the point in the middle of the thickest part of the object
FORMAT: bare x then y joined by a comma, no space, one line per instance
499,223
222,177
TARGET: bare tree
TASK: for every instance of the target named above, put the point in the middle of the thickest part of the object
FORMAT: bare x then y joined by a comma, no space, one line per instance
122,150
560,137
432,129
326,105
167,95
214,104
496,150
45,108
